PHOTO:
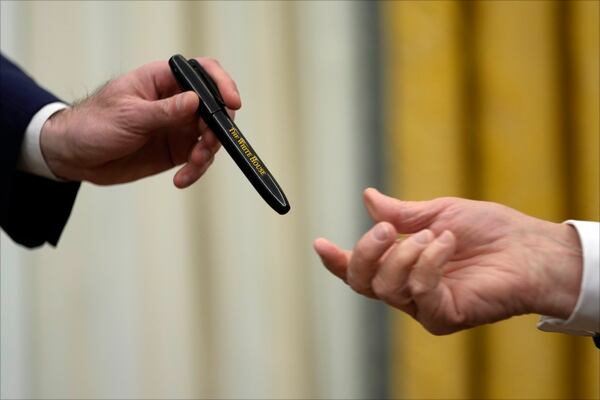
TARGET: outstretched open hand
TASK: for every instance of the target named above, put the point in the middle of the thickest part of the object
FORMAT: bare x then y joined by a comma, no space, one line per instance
465,263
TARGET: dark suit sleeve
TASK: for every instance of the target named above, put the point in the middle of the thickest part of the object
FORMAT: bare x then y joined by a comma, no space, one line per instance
34,210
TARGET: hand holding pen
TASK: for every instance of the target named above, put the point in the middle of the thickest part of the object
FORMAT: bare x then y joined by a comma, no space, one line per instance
136,125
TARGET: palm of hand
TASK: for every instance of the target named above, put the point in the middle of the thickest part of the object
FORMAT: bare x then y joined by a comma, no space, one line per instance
487,277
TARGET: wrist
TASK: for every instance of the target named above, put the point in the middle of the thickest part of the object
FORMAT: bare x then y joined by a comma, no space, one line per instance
55,147
560,267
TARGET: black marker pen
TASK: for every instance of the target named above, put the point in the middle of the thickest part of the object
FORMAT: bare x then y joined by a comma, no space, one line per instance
191,76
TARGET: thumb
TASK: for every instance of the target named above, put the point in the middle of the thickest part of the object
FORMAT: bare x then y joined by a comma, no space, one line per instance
170,111
406,216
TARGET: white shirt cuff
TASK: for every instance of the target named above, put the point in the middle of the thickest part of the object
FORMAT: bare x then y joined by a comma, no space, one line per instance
32,159
585,318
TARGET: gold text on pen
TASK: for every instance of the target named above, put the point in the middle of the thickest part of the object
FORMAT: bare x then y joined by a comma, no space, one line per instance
243,145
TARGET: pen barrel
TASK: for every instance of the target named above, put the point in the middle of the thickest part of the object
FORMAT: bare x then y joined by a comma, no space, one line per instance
247,159
238,144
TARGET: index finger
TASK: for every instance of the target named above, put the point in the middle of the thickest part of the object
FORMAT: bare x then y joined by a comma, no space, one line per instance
163,82
226,85
333,258
366,255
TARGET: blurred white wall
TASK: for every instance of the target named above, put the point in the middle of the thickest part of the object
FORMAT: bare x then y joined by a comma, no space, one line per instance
155,292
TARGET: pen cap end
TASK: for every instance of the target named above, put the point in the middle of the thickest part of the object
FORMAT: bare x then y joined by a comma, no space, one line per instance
284,210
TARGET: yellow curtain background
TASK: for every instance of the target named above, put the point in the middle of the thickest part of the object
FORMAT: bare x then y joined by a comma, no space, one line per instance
496,101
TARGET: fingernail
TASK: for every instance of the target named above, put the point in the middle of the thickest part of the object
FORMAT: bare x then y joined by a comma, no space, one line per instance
381,232
422,237
446,237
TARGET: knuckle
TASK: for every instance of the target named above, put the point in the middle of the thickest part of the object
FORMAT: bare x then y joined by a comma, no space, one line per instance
398,216
416,288
359,288
359,260
350,277
368,250
383,289
438,330
446,326
357,285
458,321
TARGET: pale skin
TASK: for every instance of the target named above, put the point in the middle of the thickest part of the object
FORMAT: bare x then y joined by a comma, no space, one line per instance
135,126
464,264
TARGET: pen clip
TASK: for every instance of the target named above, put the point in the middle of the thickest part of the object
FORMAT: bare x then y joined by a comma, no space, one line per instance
210,83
